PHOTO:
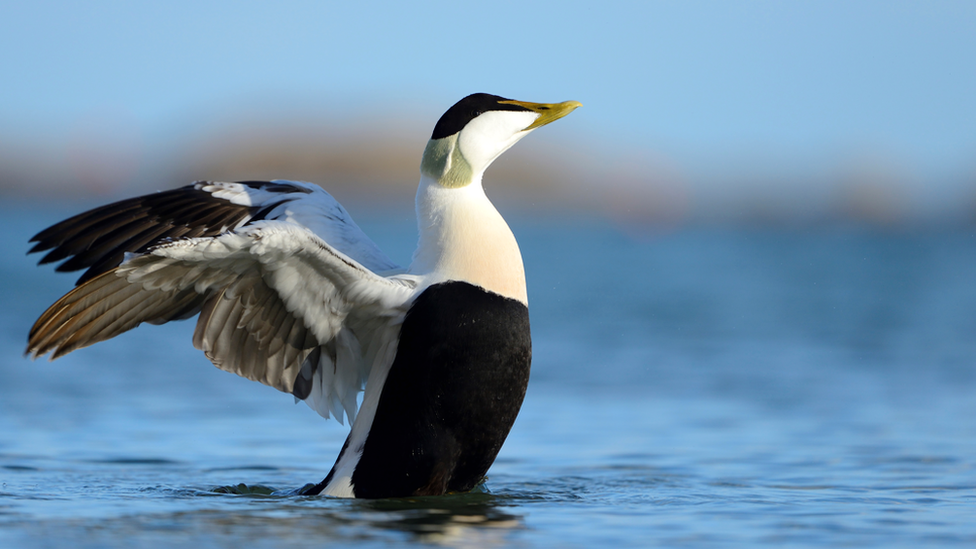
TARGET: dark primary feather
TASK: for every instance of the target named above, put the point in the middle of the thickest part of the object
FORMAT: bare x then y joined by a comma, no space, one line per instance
102,309
97,240
244,326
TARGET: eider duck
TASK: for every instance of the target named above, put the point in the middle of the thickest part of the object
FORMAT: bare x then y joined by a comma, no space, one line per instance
291,293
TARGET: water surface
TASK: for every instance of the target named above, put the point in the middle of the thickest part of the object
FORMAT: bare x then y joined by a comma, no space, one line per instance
698,388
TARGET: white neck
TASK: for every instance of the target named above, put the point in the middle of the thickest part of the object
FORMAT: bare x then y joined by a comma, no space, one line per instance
463,237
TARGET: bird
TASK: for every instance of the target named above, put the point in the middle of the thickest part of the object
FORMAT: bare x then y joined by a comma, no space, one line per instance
288,291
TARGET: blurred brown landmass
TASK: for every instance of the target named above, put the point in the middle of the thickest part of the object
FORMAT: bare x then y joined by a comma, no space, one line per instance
377,164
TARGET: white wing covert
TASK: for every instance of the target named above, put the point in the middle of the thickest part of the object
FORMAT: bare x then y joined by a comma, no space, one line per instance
317,211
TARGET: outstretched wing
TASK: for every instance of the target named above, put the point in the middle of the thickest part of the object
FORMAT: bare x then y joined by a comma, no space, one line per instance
278,303
98,239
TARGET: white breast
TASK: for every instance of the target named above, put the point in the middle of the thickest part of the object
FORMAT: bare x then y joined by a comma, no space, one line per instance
463,237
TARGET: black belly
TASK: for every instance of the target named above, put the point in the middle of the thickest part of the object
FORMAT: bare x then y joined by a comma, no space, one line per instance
452,394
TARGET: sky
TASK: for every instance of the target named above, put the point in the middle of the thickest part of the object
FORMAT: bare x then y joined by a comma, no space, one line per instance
700,84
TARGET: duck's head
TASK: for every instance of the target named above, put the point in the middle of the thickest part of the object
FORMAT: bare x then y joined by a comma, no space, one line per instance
479,128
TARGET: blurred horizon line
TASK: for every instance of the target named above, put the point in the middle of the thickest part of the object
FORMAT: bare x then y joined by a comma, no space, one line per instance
376,161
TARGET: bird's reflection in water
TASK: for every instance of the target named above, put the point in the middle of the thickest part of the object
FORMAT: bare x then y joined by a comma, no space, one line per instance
475,518
453,518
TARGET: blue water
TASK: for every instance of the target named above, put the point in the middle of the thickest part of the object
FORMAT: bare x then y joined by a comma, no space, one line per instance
695,388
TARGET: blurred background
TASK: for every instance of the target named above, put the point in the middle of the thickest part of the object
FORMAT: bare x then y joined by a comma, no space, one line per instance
694,112
750,260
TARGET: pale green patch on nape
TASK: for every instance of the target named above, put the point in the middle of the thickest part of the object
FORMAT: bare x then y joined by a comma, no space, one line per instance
444,162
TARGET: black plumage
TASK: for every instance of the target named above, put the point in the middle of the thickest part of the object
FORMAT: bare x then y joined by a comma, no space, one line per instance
452,395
